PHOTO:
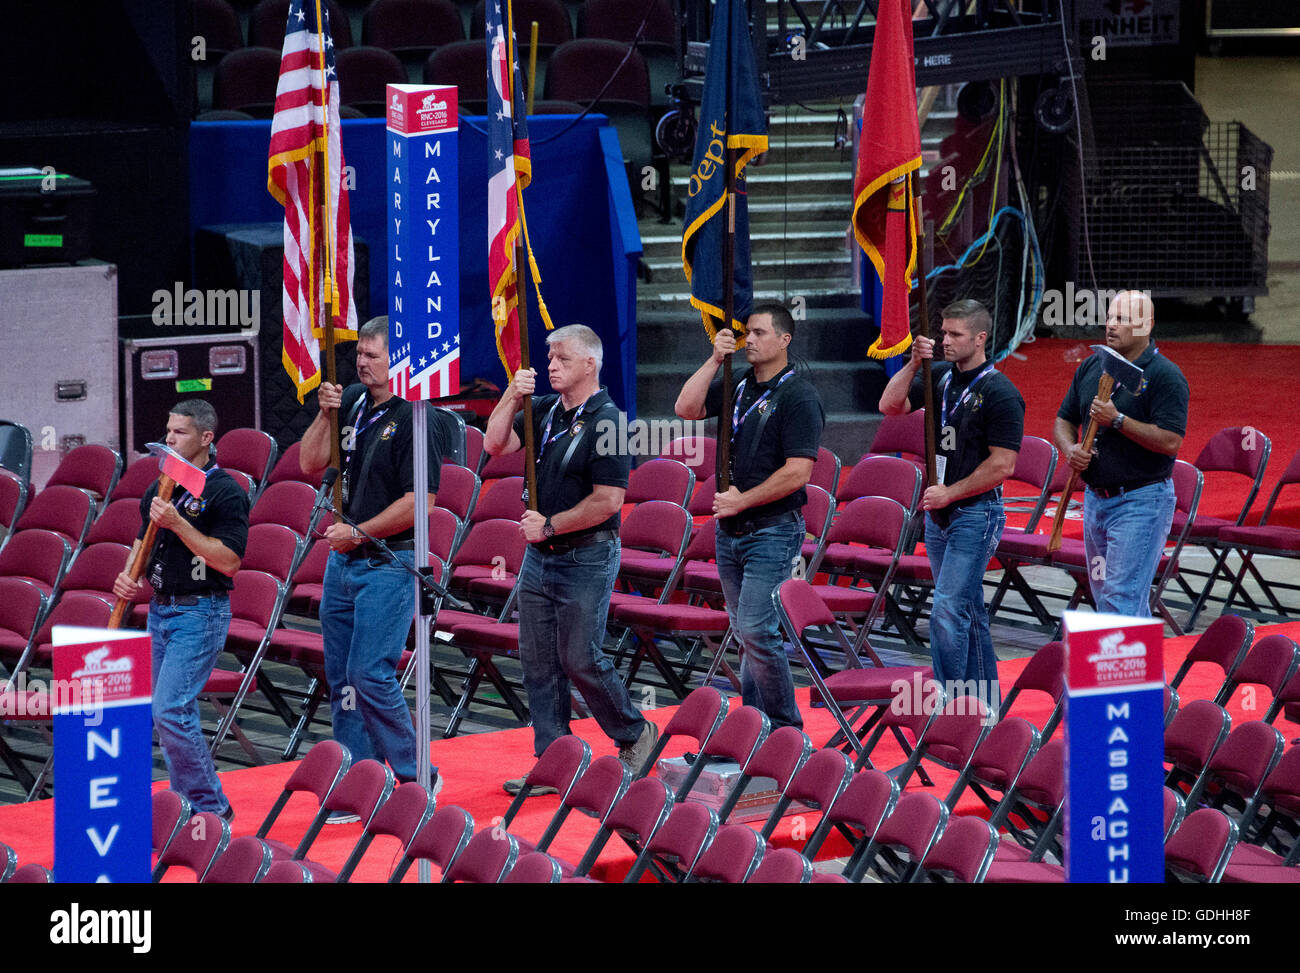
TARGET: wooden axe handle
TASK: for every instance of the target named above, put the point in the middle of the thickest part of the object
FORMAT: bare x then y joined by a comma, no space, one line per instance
1104,387
165,487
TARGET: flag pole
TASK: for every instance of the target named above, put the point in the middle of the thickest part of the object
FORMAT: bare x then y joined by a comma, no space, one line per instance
728,320
323,245
923,328
521,291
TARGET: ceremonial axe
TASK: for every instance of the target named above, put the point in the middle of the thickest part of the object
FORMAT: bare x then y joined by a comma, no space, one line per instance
175,469
1115,370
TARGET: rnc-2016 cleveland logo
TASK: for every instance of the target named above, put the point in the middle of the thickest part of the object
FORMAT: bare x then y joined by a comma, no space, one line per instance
114,676
1117,660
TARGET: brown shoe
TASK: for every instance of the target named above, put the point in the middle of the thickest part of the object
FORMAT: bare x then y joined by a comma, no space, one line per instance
634,755
513,787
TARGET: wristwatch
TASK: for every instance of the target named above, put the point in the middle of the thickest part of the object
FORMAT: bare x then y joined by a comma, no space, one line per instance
548,529
356,534
1118,422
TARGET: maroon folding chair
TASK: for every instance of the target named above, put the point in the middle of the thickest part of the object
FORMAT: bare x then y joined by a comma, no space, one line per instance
1263,539
95,569
1044,673
699,453
267,20
1224,644
31,874
594,793
857,687
963,854
1036,465
677,845
74,608
882,476
140,474
487,859
779,758
782,866
1239,452
458,491
993,769
170,811
818,515
1191,739
285,872
13,500
364,74
244,861
1273,819
273,549
290,503
903,434
856,814
40,556
317,774
308,580
364,789
196,846
464,64
1200,849
739,737
91,467
699,717
1271,663
400,816
287,467
816,785
731,858
256,603
1238,768
502,466
22,606
902,841
503,500
635,817
535,868
251,452
440,840
558,768
66,510
119,522
660,479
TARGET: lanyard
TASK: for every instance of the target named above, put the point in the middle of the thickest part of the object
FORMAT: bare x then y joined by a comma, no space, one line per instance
737,420
943,393
186,495
547,438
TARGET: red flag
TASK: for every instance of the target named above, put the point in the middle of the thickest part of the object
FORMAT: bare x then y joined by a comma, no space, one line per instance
885,220
307,120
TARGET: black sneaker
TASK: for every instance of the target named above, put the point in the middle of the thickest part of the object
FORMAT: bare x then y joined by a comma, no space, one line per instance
342,817
229,813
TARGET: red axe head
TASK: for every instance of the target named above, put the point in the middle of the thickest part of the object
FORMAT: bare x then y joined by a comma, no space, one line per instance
179,468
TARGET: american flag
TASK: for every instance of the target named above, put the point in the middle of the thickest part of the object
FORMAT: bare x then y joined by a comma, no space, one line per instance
508,159
306,118
421,378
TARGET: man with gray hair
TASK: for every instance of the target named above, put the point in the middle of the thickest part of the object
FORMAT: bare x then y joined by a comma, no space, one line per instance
368,602
573,548
1128,505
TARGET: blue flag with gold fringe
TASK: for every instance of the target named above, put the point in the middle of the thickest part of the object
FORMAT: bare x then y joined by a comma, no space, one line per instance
731,116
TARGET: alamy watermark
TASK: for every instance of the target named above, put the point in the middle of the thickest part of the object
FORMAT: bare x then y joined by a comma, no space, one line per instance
651,437
207,308
1083,307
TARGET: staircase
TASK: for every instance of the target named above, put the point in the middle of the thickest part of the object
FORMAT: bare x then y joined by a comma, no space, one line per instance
802,253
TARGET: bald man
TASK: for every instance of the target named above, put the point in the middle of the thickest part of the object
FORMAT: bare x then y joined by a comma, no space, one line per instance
1128,504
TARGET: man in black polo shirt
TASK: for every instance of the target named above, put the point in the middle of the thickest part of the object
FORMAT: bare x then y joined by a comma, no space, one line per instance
573,549
368,601
1128,505
776,432
200,542
979,422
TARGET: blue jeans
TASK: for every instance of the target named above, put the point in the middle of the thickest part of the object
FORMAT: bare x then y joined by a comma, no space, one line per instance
186,642
1124,537
366,610
961,647
750,568
563,605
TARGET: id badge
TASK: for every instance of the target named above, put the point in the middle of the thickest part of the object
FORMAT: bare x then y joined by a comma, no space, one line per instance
344,489
940,468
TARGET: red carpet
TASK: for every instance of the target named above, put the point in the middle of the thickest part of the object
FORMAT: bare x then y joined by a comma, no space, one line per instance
1231,385
475,766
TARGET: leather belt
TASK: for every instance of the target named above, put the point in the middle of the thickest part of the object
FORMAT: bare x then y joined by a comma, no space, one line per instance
1119,490
368,550
167,601
749,527
562,544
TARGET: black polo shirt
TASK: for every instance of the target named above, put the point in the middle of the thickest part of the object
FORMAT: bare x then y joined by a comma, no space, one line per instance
580,451
380,468
221,513
1161,401
786,425
992,414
